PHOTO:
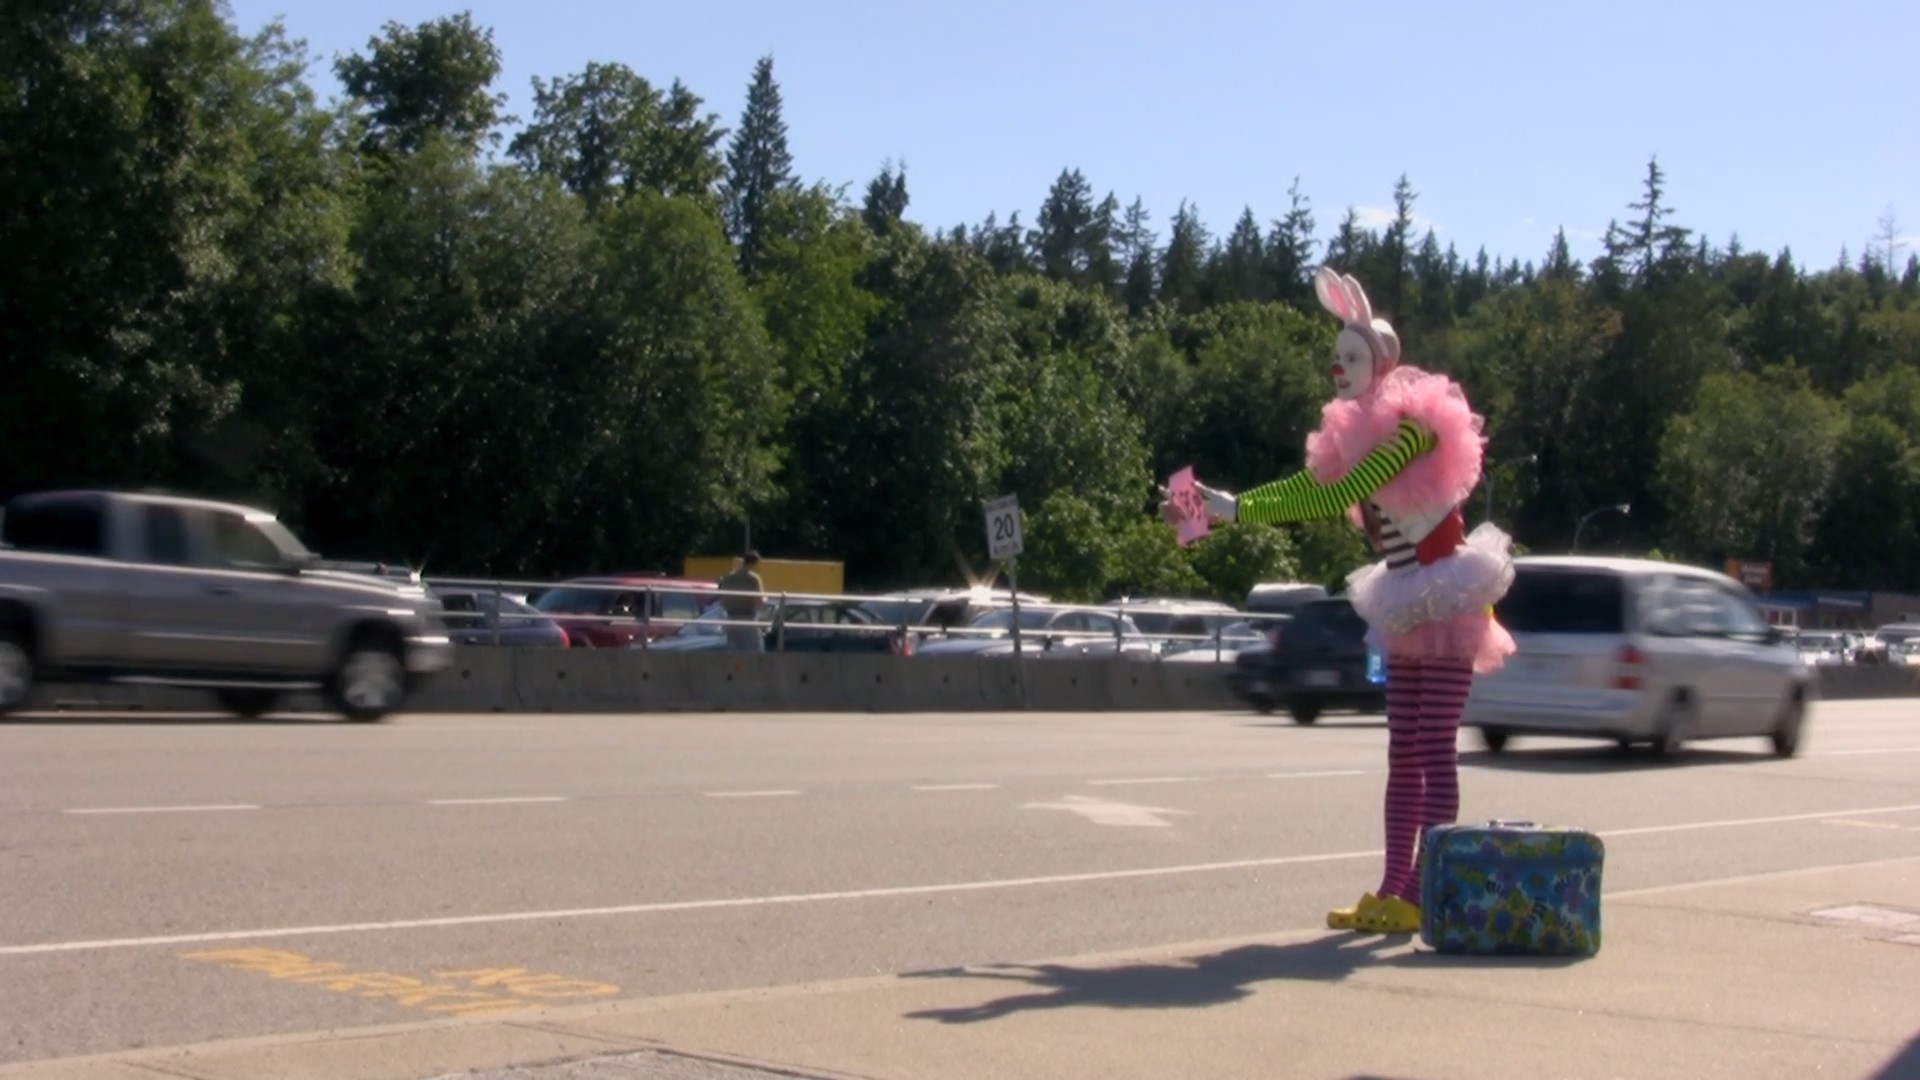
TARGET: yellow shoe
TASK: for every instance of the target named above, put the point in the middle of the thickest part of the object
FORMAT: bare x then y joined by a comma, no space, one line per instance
1348,918
1391,915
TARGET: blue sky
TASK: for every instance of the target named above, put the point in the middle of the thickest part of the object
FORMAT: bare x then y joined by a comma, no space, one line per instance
1790,124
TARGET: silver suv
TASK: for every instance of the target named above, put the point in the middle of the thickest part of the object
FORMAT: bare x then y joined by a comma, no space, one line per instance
100,587
1639,651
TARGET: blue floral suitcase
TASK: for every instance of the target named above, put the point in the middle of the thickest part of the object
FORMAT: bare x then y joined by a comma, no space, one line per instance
1511,888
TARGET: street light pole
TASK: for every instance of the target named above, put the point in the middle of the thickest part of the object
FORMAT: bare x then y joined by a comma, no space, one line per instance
1624,508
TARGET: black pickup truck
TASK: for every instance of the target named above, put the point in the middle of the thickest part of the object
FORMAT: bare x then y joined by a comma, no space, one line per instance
1318,660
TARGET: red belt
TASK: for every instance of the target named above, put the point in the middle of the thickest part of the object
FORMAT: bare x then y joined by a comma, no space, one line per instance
1443,541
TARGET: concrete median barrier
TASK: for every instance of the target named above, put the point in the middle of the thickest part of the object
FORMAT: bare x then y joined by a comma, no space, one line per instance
487,679
1853,681
595,680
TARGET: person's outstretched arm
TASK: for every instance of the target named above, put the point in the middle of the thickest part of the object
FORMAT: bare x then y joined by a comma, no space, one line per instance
1302,498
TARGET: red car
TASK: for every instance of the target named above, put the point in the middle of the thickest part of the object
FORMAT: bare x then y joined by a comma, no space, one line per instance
616,611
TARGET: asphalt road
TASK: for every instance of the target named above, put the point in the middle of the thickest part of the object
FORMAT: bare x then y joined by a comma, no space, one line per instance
166,881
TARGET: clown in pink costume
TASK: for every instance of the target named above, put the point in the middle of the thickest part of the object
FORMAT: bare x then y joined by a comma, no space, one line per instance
1397,452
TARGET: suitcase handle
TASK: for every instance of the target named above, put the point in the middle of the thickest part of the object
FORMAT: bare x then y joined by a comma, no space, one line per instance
1512,823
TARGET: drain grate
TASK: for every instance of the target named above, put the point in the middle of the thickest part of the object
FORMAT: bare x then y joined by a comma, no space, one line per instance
1883,918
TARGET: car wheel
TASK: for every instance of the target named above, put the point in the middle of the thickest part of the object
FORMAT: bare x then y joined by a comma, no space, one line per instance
1676,724
16,672
1494,738
1786,733
371,682
249,702
1305,712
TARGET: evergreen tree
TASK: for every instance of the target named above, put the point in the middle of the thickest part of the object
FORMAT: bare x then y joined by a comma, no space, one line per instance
1347,245
1183,263
886,202
1240,273
1289,251
759,167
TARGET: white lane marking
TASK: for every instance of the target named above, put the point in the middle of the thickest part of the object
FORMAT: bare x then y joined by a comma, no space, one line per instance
1781,819
956,787
1105,812
162,809
748,794
498,801
1863,824
1857,753
1143,780
679,905
1305,775
895,891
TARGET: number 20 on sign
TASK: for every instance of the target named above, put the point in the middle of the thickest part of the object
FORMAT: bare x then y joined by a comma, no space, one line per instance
1003,528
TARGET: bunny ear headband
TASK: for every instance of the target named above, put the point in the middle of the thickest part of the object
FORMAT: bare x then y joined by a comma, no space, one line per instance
1342,295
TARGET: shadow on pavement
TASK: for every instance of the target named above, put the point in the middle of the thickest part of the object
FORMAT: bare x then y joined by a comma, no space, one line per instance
157,719
1603,759
1207,980
1340,723
1904,1066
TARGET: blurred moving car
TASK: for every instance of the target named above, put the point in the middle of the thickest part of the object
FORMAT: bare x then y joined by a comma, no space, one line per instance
117,587
1318,660
483,617
1639,651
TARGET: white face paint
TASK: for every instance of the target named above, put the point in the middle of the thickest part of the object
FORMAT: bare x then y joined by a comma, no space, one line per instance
1352,365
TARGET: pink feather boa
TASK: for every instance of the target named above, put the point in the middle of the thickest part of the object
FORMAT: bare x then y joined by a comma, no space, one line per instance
1434,482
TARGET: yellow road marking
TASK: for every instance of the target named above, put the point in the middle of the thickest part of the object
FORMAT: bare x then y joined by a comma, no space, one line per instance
462,992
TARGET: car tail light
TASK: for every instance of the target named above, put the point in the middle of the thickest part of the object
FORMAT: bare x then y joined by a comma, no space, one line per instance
1632,662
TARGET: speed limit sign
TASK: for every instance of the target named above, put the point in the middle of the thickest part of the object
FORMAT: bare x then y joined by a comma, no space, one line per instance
1003,528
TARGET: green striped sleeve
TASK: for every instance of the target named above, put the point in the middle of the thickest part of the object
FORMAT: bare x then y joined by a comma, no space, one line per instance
1301,498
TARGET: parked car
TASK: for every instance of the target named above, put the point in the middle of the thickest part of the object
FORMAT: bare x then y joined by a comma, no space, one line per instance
800,626
616,611
110,587
483,617
1318,660
1639,651
934,611
1822,647
1174,625
1046,631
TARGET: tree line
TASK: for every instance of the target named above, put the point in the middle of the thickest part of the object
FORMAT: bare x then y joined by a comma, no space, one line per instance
629,332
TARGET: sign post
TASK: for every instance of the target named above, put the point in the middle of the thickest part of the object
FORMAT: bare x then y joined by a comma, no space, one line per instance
1005,542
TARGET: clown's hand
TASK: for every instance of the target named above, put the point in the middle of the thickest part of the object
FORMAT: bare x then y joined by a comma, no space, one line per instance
1220,506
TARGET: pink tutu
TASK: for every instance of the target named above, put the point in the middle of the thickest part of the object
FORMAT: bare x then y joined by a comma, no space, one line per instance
1443,610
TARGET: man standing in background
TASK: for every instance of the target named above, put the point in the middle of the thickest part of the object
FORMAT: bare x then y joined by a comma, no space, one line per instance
743,607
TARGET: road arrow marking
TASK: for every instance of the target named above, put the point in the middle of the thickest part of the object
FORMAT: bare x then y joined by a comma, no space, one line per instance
1107,812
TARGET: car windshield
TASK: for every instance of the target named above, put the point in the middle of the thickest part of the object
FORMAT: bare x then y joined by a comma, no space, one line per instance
577,601
1323,620
281,537
1003,620
1558,601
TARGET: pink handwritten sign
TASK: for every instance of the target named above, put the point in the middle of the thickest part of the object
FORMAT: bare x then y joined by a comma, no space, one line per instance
1189,506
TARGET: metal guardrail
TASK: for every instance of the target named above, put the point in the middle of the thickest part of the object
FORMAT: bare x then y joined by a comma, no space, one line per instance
1157,643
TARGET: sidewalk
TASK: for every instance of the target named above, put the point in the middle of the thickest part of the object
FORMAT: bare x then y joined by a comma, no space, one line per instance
1733,979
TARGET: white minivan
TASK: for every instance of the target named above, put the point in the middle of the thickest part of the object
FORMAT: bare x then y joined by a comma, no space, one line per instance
1639,651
